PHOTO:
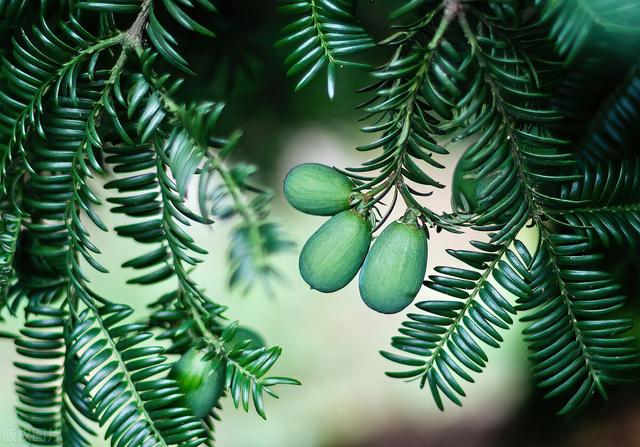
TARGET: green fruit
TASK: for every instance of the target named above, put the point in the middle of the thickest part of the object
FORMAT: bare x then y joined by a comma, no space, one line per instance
318,189
333,255
201,381
395,267
244,335
464,197
469,188
435,101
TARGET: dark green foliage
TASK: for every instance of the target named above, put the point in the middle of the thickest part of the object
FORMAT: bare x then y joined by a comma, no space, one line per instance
52,407
449,334
541,94
515,84
576,24
577,346
124,391
608,211
83,95
615,124
324,32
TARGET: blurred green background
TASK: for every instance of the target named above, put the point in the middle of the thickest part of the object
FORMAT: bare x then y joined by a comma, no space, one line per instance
331,342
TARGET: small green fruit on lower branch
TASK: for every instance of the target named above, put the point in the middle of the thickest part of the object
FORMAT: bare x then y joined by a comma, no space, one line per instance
395,267
333,255
201,381
318,189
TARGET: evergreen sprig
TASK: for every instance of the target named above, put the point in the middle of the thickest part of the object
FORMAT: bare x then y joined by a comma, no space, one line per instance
324,33
81,98
88,90
494,78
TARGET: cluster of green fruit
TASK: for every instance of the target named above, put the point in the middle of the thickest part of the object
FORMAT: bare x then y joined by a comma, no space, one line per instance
391,270
201,380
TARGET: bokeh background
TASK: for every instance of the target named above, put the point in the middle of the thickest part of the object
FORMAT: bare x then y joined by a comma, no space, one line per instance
331,342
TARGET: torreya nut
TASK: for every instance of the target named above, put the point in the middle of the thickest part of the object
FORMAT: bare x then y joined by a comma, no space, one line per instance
201,381
394,269
469,190
464,197
436,102
334,253
318,189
